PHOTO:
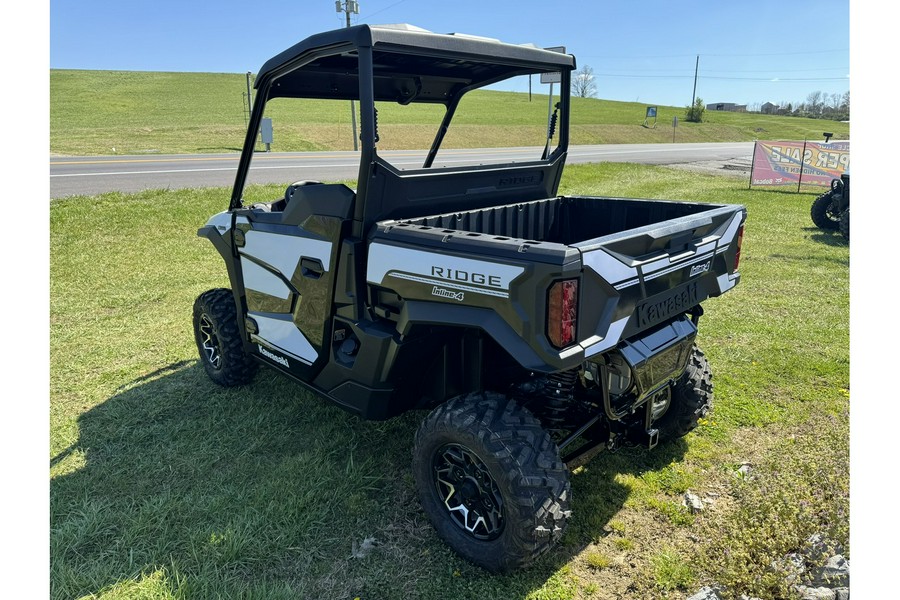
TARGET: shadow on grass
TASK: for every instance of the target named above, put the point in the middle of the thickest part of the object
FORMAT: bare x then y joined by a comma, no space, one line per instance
266,491
829,238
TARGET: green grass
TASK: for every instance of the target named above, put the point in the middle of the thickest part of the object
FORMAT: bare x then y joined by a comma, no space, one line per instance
671,570
165,486
125,112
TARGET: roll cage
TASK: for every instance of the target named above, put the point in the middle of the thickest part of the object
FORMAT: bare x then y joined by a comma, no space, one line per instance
407,65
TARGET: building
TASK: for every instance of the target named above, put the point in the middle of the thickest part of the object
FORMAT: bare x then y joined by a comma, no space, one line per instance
727,106
768,108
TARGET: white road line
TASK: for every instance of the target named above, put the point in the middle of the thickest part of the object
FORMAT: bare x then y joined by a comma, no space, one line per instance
316,166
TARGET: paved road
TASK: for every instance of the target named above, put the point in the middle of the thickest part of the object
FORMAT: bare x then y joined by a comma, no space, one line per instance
97,174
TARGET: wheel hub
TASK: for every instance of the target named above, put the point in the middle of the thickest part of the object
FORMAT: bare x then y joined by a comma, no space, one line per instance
468,491
209,342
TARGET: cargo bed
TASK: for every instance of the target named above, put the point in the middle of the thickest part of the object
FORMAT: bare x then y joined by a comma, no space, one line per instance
636,228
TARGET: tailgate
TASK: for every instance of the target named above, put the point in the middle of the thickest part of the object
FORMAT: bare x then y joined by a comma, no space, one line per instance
637,279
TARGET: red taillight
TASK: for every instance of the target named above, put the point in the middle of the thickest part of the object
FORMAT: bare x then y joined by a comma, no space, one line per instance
737,255
562,312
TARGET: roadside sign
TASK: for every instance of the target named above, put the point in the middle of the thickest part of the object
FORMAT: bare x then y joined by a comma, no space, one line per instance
557,76
551,77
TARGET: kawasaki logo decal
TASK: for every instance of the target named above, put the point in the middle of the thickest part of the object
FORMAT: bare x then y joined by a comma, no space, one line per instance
651,313
279,359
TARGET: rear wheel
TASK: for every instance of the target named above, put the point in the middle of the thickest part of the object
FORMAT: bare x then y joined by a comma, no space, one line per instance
690,399
823,213
491,481
219,339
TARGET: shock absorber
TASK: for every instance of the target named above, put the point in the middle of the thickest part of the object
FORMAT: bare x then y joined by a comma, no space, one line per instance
558,395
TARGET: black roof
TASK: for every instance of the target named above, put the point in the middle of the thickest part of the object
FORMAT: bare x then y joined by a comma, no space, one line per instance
409,64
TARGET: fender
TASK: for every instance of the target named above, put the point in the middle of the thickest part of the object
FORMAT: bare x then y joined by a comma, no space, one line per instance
430,313
225,250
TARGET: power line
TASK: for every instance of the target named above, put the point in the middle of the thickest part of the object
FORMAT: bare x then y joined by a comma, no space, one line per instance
616,75
686,71
784,53
369,16
642,56
781,78
779,70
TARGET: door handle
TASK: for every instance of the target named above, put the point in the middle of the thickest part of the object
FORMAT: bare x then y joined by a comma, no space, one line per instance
311,268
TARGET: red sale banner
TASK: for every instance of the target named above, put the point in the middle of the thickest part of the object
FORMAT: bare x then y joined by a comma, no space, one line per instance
793,163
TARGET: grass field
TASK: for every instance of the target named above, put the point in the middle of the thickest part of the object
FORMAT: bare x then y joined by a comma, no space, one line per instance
117,112
164,485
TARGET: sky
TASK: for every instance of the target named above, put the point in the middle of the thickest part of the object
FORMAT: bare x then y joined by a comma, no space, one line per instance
749,53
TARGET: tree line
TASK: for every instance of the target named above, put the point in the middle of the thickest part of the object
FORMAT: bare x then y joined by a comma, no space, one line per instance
818,104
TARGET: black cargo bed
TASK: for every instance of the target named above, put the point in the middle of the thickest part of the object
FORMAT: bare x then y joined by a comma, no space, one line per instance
564,220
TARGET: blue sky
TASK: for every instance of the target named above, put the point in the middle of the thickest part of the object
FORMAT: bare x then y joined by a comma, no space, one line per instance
640,51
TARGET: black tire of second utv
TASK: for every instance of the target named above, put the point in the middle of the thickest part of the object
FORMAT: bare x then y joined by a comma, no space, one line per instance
845,224
691,400
236,366
524,462
821,212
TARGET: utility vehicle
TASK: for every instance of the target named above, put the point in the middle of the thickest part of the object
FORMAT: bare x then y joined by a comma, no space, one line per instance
831,210
536,328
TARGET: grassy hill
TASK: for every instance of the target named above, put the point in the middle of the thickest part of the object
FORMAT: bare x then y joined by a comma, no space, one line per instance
128,112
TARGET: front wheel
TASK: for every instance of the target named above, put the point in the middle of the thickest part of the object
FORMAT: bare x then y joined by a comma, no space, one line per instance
823,213
491,481
219,339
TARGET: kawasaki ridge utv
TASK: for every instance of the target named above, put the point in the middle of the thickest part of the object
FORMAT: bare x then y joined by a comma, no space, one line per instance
537,329
831,210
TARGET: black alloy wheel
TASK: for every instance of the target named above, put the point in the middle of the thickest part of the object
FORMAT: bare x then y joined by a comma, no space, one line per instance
219,340
210,347
491,481
469,493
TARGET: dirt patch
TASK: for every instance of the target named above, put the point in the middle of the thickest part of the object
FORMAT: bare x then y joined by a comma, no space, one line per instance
738,168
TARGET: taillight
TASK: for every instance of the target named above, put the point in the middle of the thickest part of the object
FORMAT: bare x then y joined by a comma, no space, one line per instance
562,312
737,255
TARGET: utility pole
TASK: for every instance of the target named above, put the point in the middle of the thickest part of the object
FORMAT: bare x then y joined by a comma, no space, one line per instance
249,96
694,95
347,7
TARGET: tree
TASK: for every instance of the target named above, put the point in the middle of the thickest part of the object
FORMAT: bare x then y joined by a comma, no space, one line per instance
583,84
694,114
814,103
